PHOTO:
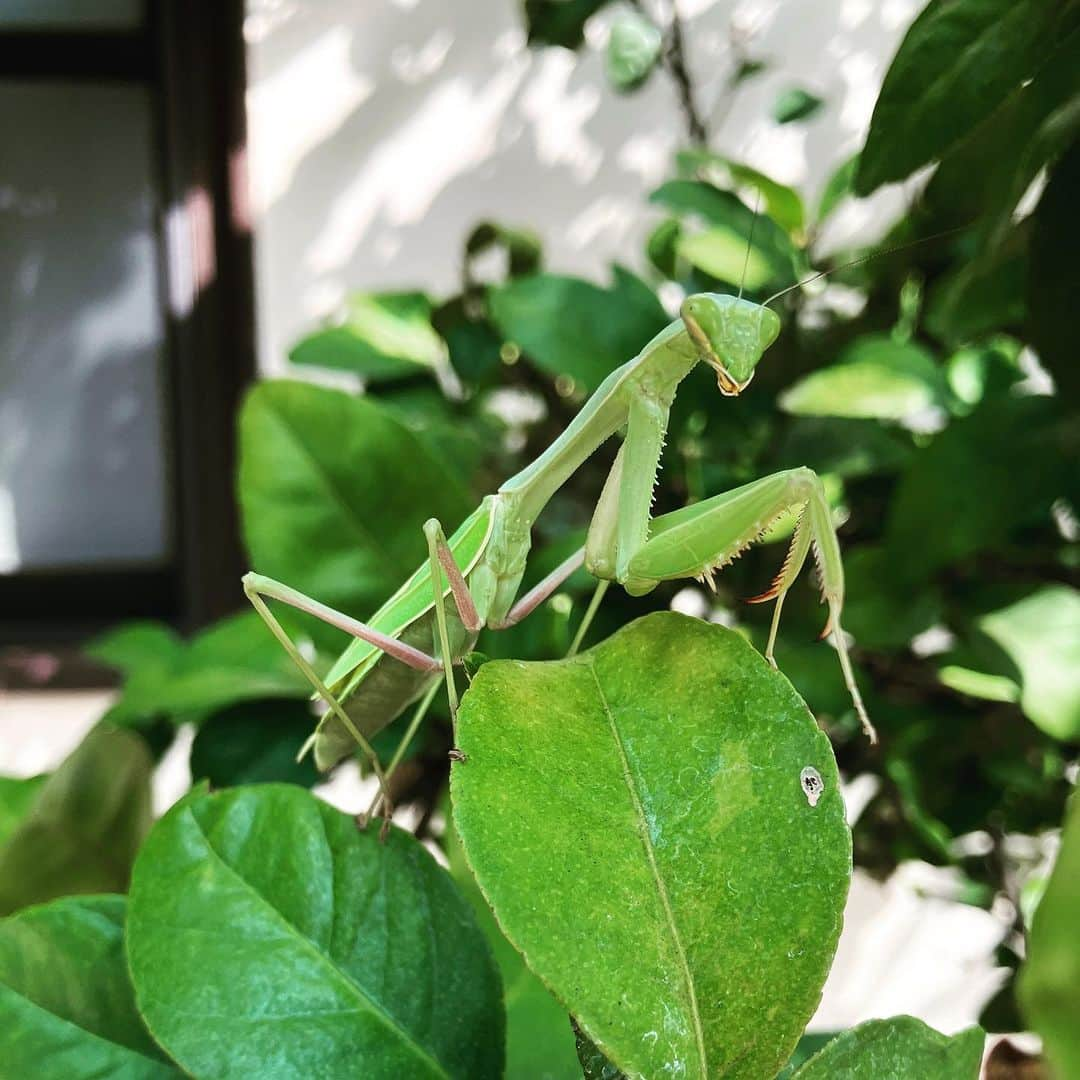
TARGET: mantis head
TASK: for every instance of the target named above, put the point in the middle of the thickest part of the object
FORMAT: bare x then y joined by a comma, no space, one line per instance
730,335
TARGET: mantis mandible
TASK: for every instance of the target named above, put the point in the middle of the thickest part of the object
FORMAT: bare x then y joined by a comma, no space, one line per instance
471,580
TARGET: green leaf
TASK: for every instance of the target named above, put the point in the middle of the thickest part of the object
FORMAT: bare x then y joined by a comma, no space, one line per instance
957,63
636,819
68,1007
1038,124
721,249
1053,279
977,481
979,297
559,22
900,1048
795,104
1049,987
255,742
334,493
385,336
375,965
808,1046
633,49
782,203
136,646
837,188
1040,633
539,1040
16,798
522,247
568,326
875,378
233,660
470,339
880,613
847,448
86,822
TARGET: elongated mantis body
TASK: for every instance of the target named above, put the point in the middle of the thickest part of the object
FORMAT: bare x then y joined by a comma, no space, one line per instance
472,579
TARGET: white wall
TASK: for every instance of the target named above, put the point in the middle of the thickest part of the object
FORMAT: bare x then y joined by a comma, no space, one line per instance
382,130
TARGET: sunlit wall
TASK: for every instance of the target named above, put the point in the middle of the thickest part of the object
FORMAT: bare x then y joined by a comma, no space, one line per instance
380,132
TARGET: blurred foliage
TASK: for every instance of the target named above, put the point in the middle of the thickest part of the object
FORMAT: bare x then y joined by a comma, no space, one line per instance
932,380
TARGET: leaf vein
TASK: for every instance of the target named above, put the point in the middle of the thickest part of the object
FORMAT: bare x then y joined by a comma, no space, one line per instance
661,888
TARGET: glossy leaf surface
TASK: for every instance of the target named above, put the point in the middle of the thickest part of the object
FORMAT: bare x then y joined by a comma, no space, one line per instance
384,336
269,936
86,821
957,62
334,492
572,327
877,378
900,1048
636,819
65,997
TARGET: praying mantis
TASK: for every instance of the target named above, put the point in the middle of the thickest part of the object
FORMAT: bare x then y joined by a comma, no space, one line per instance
472,579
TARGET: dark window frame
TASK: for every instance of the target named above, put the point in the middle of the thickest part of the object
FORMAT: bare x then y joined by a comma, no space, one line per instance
190,53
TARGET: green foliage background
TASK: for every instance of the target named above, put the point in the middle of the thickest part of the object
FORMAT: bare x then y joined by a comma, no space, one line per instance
942,415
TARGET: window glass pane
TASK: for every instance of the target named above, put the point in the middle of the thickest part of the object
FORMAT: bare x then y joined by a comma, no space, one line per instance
62,15
82,453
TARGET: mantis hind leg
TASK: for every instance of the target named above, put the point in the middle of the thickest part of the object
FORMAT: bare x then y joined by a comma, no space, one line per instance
254,590
703,538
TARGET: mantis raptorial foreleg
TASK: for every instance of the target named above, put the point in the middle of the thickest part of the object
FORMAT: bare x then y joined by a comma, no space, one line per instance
704,537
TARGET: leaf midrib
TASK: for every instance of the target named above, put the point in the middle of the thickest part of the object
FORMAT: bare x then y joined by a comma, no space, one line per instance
330,485
661,888
372,1006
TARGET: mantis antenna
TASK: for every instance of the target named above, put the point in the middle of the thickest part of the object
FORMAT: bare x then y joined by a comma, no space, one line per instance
750,242
862,259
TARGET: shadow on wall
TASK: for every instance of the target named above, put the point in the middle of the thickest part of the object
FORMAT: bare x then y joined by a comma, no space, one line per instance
381,133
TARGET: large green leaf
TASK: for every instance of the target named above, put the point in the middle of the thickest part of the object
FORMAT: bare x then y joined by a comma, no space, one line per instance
16,798
733,230
636,818
781,202
269,936
255,742
957,62
67,1007
1040,634
876,378
539,1041
86,822
136,646
234,660
334,493
568,326
1053,276
385,336
979,479
901,1048
1049,987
